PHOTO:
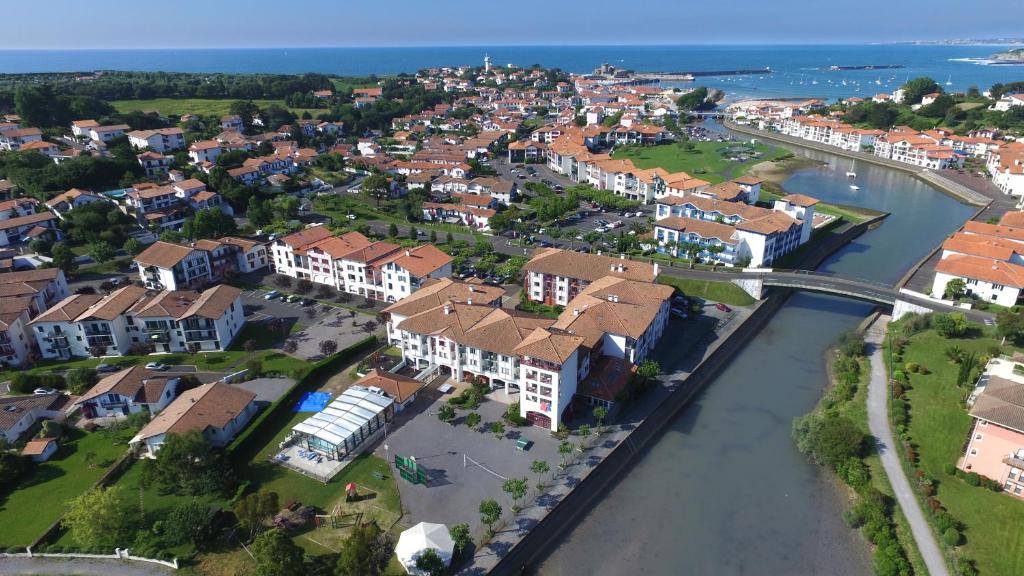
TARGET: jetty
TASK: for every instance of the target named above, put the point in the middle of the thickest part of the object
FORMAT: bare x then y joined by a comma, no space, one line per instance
692,75
866,67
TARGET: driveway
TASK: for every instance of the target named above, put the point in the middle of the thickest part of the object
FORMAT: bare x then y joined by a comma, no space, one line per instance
80,566
878,421
267,390
340,325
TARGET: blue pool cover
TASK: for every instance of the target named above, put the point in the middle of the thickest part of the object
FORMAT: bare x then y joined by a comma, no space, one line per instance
313,401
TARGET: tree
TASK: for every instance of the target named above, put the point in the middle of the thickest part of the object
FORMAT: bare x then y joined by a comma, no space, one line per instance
649,370
831,438
249,346
693,100
955,289
51,429
79,380
393,230
951,325
461,537
376,186
290,346
915,89
276,554
1009,325
209,223
446,413
600,413
253,509
328,347
12,465
540,468
490,512
190,521
97,517
448,238
63,257
304,286
498,429
473,420
364,552
564,450
101,251
430,563
433,236
516,489
413,233
133,247
188,464
97,350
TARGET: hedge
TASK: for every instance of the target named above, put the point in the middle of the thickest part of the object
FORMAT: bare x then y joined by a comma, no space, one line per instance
245,447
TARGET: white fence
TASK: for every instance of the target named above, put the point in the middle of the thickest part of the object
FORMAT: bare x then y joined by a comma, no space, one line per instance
119,554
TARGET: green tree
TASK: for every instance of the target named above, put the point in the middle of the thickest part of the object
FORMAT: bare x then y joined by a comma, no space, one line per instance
51,429
253,509
209,223
97,517
461,537
363,553
955,289
446,413
1009,325
831,439
516,489
565,450
490,512
498,429
12,465
79,380
413,233
430,563
915,89
133,247
951,325
276,554
473,420
540,468
101,251
191,521
188,464
433,236
694,99
600,413
393,230
63,257
376,187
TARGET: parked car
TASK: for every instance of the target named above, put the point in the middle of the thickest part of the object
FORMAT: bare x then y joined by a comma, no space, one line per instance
41,391
308,301
104,368
85,290
351,216
271,295
156,366
723,307
293,298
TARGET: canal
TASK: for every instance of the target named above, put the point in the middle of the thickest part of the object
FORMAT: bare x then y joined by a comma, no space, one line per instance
724,491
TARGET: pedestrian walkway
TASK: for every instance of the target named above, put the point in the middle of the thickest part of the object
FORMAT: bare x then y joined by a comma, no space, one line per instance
878,422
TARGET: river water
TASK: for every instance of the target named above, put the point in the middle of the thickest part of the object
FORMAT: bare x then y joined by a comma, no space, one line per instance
724,491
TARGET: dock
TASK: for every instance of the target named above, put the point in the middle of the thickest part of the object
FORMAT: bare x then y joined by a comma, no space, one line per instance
690,76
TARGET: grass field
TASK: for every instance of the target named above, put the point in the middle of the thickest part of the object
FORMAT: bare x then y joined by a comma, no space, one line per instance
707,160
200,106
939,424
40,498
724,292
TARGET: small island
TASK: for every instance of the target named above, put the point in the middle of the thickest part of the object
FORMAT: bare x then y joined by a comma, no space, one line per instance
1014,56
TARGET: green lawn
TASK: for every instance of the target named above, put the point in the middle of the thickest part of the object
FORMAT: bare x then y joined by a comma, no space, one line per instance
200,106
724,292
39,499
707,160
939,424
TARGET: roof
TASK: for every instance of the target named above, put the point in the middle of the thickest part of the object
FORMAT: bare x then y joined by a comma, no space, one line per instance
210,405
1008,232
702,228
37,447
1014,219
163,254
982,245
14,408
748,180
542,344
436,292
25,220
345,416
607,378
799,200
1002,403
137,383
114,304
397,386
303,238
589,267
420,261
980,268
68,309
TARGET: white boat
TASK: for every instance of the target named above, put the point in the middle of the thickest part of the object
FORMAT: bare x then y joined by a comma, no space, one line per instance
851,174
852,187
949,80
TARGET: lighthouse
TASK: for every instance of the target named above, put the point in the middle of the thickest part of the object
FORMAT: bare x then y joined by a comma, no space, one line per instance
487,64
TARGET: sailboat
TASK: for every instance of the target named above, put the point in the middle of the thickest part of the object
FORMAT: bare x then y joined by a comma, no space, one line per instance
854,187
949,80
851,174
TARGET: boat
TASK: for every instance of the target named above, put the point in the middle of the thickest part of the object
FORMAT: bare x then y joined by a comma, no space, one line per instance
949,80
851,174
853,187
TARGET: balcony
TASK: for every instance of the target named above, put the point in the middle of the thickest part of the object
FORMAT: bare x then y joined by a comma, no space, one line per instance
1014,461
59,341
200,335
105,340
158,336
542,364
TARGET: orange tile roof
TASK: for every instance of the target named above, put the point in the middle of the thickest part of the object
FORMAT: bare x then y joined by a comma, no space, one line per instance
985,269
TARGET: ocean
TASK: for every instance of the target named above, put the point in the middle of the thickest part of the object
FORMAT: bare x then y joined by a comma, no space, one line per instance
798,70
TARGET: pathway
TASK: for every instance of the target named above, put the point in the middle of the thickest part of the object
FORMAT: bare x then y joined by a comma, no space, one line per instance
79,566
878,421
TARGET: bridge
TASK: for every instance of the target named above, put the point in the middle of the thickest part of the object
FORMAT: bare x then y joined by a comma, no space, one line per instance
754,281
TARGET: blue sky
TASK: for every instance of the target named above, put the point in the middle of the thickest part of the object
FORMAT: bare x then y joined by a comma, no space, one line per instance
275,23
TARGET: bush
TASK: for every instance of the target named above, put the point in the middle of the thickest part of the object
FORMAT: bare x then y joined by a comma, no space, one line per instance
949,468
473,420
973,479
25,383
855,473
945,521
912,367
951,537
80,380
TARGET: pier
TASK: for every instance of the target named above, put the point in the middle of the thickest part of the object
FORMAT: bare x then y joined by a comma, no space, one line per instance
690,76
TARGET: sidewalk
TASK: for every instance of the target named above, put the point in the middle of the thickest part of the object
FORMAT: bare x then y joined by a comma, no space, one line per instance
878,421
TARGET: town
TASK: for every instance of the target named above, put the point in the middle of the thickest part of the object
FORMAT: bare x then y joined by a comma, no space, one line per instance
309,323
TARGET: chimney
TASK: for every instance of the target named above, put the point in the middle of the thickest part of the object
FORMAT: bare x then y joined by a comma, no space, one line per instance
469,301
575,311
613,268
447,309
655,269
598,252
407,253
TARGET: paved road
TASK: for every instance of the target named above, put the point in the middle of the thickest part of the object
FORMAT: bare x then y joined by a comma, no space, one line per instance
80,566
878,422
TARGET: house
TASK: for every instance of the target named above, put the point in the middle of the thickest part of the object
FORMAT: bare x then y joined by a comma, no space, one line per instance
988,279
128,391
84,325
40,449
161,140
14,138
555,276
995,447
107,133
24,229
81,128
168,266
218,411
19,413
205,151
41,146
1008,101
477,218
154,163
401,389
232,122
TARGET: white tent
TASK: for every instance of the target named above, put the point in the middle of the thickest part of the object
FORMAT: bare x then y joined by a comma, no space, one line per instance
419,538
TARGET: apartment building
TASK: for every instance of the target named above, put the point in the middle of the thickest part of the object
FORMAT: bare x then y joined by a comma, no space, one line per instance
1006,166
161,140
995,447
554,276
987,258
85,325
107,133
169,266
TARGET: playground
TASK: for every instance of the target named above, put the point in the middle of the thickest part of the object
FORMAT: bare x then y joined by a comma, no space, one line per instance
359,504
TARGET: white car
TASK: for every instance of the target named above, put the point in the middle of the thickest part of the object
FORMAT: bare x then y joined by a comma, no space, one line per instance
43,391
156,366
351,216
271,295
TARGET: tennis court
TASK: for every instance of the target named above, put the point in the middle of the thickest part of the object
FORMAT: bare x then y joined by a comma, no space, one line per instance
313,402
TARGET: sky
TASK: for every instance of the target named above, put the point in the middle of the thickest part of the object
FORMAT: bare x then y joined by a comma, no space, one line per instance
98,24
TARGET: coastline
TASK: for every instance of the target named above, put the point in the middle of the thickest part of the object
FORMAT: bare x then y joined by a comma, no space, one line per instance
944,185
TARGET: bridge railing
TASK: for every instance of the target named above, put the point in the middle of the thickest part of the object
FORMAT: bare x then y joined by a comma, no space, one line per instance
820,274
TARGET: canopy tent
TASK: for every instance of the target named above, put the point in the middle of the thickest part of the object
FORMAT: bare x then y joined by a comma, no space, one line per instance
418,539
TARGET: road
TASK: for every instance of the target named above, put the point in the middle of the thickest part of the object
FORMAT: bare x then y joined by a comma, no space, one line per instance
878,422
80,566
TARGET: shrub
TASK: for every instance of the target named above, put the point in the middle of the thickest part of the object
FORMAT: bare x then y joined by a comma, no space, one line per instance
945,521
25,383
855,473
472,419
912,367
951,537
973,479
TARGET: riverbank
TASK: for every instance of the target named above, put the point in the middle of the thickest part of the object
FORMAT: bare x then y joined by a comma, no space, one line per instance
944,185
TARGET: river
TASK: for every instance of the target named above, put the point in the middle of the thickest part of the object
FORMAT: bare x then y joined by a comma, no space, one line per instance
724,491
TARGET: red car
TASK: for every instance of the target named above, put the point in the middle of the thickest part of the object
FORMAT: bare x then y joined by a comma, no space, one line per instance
723,307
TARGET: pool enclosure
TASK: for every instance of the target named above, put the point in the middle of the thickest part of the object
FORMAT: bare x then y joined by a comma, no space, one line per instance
345,424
